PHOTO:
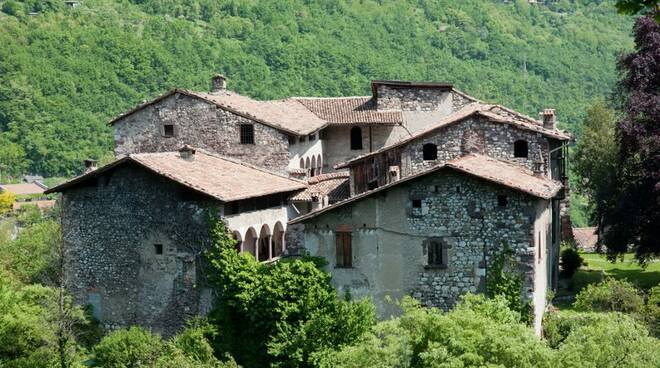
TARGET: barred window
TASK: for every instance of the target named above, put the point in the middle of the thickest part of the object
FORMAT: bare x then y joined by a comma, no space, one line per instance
247,134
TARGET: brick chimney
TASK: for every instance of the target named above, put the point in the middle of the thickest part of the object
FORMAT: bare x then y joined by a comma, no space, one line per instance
218,83
90,165
187,153
548,117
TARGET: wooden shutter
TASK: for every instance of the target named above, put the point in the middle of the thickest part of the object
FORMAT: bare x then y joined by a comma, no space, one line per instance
344,249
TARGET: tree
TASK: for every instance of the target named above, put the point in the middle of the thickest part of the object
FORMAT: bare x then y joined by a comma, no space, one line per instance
13,162
595,160
7,200
634,220
280,314
631,7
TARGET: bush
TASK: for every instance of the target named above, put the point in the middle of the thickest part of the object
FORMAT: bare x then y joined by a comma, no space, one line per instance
611,340
610,295
570,262
12,8
7,200
557,326
133,347
478,332
652,311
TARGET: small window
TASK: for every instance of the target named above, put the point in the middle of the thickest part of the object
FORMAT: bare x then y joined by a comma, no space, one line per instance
430,152
520,148
168,130
247,134
417,203
323,134
502,201
292,140
372,185
435,256
158,248
312,137
344,249
356,138
301,139
458,189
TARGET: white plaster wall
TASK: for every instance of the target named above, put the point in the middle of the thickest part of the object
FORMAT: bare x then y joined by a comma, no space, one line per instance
305,149
256,219
542,261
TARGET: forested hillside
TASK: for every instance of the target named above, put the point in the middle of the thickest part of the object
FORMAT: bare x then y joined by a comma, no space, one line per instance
65,72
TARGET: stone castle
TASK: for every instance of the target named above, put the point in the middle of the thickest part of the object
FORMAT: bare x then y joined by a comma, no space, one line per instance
408,191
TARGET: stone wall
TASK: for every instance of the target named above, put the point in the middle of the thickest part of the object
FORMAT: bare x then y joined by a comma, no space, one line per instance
202,125
419,99
474,134
112,229
390,239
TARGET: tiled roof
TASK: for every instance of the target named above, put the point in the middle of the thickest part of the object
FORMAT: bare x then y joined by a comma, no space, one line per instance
219,177
333,185
483,167
350,110
586,237
488,111
288,115
23,189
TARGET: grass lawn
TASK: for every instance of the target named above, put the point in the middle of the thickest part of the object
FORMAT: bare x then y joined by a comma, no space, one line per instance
597,267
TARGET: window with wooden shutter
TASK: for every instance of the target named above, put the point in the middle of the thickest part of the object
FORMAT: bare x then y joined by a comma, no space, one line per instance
344,249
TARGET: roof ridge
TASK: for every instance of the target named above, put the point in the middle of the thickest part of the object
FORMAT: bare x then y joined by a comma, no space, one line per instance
326,97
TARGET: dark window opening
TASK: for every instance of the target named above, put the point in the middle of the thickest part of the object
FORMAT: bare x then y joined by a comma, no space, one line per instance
247,134
232,208
458,189
520,148
158,248
372,185
168,130
323,134
436,189
417,203
356,138
292,140
344,249
301,139
435,256
312,137
430,151
312,172
502,200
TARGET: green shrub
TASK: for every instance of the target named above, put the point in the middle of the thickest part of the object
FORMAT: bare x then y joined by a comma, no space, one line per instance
613,340
652,311
558,325
570,262
133,347
610,295
504,279
12,8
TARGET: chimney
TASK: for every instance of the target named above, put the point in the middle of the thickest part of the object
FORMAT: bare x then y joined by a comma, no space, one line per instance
187,153
548,116
218,83
90,165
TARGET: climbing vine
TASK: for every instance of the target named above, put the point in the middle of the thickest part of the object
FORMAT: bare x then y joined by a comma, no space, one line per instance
503,279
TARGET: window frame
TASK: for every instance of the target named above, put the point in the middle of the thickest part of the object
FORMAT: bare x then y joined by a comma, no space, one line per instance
245,136
167,134
426,151
437,249
521,149
343,249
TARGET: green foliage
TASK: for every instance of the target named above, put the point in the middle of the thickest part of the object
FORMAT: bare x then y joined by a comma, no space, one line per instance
558,325
478,332
611,340
652,311
279,314
570,261
504,279
7,200
611,295
632,7
33,256
66,72
29,326
133,347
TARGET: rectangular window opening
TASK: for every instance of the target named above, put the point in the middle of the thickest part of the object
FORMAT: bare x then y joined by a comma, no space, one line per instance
344,249
502,200
158,248
417,203
247,134
168,130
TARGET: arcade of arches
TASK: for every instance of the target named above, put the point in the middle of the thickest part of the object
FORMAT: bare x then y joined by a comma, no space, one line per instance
266,245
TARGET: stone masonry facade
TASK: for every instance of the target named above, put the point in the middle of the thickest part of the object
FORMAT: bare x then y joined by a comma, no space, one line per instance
134,253
202,125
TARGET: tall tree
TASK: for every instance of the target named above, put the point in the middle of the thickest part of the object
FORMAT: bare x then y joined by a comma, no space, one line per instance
635,219
632,7
595,159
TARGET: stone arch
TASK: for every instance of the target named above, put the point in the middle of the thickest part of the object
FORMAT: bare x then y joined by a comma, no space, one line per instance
250,242
278,239
239,241
264,244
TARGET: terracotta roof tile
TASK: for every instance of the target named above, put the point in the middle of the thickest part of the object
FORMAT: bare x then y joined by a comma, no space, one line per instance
350,110
219,177
586,237
333,185
23,189
488,111
483,167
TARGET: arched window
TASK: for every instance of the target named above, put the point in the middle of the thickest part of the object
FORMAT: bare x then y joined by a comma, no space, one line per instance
278,240
430,151
302,163
239,241
312,170
319,165
250,242
520,148
356,138
263,253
